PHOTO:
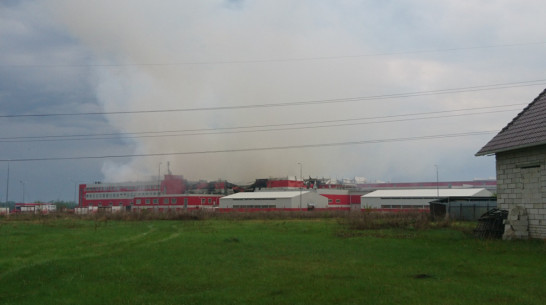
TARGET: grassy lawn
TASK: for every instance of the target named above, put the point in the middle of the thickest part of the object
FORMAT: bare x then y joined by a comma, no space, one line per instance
308,261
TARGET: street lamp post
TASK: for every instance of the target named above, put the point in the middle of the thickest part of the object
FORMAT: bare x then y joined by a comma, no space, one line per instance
301,177
75,191
437,183
23,183
438,192
159,179
7,187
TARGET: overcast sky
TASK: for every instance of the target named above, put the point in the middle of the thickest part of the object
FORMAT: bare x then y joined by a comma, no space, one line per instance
354,88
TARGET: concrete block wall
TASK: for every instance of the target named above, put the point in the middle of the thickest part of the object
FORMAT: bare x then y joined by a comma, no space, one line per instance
521,181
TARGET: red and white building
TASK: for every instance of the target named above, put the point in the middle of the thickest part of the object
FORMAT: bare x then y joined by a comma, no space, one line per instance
171,193
174,193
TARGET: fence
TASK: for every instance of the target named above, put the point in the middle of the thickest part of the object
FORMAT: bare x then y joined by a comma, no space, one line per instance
462,209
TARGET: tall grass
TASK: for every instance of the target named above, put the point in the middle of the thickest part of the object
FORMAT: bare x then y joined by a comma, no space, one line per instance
355,220
203,214
369,220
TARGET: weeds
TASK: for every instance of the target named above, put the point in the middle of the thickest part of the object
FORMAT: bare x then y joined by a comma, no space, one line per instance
401,220
363,220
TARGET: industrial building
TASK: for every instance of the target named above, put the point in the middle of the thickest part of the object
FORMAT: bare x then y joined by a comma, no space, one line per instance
171,192
174,193
417,198
274,200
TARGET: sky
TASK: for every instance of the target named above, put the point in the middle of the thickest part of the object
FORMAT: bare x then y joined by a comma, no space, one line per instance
238,89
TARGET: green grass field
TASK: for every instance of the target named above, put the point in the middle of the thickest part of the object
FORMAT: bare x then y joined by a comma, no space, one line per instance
305,261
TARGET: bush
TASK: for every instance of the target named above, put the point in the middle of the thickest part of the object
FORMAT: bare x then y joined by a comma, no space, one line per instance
371,220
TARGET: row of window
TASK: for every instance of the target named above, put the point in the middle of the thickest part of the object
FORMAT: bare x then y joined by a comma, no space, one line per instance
110,204
172,201
337,201
119,195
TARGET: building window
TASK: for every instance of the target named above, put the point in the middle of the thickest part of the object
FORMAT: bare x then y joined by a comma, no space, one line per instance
338,200
173,201
202,200
137,201
329,200
156,201
147,201
165,200
210,200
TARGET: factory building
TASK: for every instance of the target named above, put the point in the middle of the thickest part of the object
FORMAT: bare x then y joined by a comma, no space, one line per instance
178,202
170,191
417,199
489,184
273,200
280,184
174,193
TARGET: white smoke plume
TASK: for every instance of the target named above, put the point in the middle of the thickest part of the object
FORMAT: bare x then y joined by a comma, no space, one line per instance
194,54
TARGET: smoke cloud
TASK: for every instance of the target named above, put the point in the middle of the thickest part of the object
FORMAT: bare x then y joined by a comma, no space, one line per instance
198,54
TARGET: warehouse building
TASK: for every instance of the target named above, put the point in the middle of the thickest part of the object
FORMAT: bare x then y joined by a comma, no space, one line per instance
265,201
416,198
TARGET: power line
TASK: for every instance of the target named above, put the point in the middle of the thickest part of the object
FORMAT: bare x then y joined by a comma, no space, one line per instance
303,103
269,125
363,142
236,130
258,61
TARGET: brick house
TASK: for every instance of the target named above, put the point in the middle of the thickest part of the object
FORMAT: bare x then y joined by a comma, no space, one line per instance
520,151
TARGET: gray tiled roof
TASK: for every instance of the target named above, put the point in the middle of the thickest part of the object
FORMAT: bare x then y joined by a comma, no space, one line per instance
527,129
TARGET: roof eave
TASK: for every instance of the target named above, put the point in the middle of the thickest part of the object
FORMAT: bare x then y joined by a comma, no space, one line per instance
493,152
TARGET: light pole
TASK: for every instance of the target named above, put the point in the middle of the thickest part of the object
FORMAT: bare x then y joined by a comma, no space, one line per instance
7,187
437,183
23,183
438,192
159,179
301,177
75,191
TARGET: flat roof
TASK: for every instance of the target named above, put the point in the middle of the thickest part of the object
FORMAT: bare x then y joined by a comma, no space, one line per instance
263,195
430,193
